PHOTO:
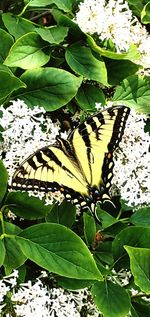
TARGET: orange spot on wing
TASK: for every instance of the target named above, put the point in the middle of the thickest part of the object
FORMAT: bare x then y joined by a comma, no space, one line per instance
109,155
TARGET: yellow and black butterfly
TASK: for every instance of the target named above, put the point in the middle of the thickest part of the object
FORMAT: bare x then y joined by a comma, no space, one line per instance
80,167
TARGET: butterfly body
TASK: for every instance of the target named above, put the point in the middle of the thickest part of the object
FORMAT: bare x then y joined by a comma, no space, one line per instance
80,167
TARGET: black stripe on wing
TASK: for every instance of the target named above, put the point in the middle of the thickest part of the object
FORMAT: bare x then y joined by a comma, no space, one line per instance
119,125
118,130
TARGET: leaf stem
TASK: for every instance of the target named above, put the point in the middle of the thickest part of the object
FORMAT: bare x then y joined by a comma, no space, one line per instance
2,220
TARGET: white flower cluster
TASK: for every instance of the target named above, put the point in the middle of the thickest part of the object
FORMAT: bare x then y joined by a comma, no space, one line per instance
36,299
122,277
132,161
6,285
25,131
113,20
141,38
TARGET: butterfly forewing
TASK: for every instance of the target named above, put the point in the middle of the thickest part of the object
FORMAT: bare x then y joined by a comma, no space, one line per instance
46,169
94,142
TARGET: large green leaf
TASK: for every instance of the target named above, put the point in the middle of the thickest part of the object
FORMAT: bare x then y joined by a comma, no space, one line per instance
27,52
134,92
111,299
50,88
132,236
5,44
117,71
64,214
83,62
27,207
13,83
140,267
59,250
53,34
65,5
16,25
3,181
88,95
141,217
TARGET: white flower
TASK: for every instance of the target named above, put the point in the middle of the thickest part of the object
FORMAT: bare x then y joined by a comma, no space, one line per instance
113,20
37,300
132,160
25,131
98,106
122,277
141,39
109,20
3,290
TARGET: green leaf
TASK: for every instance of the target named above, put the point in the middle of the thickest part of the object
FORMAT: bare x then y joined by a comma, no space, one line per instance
64,214
17,26
106,219
117,71
65,5
53,34
136,6
27,52
2,252
73,284
140,267
6,69
13,83
63,19
140,310
88,95
5,44
141,217
145,14
27,207
103,252
59,250
133,312
132,236
81,61
11,229
3,181
135,93
111,299
89,228
14,257
132,53
50,88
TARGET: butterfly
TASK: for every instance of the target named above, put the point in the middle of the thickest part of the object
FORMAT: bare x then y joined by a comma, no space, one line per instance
81,167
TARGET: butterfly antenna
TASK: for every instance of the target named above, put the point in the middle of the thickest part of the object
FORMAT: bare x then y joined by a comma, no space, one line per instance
94,213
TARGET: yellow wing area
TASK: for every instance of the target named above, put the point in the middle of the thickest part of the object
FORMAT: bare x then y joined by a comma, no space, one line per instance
94,140
49,165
